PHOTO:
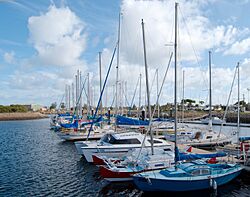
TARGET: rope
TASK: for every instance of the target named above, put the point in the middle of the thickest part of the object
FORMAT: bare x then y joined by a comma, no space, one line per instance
150,124
103,87
229,96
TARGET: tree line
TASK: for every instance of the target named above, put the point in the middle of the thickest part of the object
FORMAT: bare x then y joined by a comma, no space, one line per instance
12,108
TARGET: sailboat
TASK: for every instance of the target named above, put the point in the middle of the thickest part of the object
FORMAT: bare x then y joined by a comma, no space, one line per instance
186,176
241,149
136,161
140,159
74,127
202,138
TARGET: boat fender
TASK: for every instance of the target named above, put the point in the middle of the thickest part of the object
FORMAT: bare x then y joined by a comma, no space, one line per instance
214,185
148,180
210,182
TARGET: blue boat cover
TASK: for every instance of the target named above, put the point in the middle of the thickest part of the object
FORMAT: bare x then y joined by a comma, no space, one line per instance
122,120
244,138
66,114
93,122
70,125
190,156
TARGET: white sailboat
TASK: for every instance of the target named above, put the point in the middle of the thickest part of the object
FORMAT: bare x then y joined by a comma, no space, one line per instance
118,144
202,138
185,176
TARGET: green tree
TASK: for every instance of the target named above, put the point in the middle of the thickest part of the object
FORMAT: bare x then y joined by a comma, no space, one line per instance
242,103
53,106
62,105
201,102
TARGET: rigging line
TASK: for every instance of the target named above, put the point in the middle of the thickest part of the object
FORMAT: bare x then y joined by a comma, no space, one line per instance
158,96
153,82
112,103
103,87
134,94
85,92
126,98
79,98
60,103
228,100
189,35
130,39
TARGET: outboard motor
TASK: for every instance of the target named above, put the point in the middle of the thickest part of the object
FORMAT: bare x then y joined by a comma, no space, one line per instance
108,116
143,114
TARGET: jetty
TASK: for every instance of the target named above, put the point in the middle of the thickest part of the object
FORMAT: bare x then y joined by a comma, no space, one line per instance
22,116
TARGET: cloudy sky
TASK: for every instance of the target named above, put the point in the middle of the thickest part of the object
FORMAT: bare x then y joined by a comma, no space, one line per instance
44,42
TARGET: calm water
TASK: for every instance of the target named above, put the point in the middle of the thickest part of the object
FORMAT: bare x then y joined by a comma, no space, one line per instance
35,162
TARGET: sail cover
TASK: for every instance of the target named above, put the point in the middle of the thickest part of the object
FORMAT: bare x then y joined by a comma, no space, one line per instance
122,120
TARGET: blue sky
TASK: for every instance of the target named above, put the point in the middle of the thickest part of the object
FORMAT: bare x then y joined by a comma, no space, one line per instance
43,43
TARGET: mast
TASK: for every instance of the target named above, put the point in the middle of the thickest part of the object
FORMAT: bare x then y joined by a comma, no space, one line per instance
73,96
238,110
88,99
69,97
125,96
183,95
80,95
175,81
210,93
76,107
157,84
139,107
106,99
100,72
66,97
117,68
147,86
121,97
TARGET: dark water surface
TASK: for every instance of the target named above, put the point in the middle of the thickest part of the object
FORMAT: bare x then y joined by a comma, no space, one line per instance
35,162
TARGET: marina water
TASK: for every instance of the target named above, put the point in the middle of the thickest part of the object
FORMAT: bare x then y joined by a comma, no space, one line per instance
35,162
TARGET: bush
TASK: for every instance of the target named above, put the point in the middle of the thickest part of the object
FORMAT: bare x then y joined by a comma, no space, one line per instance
12,109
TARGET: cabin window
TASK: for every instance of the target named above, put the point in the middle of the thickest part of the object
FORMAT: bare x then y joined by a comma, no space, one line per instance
205,171
111,140
159,165
125,141
155,141
106,138
209,137
200,172
196,172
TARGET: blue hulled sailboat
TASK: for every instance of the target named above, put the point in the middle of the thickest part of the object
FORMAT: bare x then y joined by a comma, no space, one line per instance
186,176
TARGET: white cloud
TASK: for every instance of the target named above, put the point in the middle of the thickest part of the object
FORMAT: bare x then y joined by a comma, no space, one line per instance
9,57
195,31
239,47
58,37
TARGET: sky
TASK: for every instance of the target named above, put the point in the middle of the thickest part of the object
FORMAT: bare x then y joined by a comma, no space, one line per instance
43,43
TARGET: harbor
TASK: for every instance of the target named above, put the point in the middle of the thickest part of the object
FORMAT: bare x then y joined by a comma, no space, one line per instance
38,163
124,98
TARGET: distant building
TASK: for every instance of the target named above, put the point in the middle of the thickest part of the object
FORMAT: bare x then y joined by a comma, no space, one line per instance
44,109
35,107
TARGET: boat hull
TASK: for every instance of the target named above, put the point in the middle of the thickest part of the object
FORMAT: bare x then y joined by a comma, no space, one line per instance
115,176
79,137
170,185
114,152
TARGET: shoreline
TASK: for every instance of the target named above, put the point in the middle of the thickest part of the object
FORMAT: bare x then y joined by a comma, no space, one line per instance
22,116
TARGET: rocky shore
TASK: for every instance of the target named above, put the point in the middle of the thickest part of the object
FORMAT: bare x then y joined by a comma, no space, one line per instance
22,116
231,116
